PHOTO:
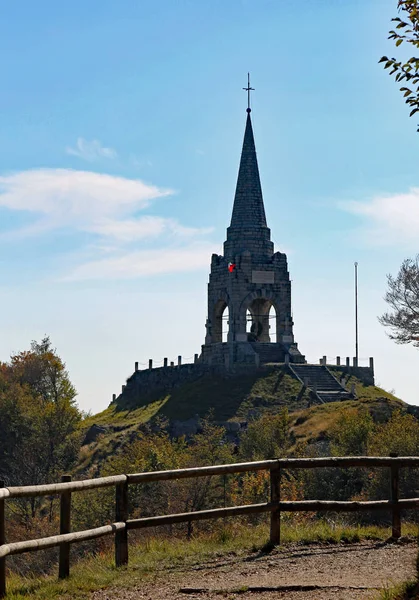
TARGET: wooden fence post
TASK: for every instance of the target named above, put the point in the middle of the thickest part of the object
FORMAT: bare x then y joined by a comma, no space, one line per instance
121,515
396,522
2,541
275,535
65,527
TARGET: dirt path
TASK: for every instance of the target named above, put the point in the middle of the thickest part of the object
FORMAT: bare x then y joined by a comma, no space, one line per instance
320,572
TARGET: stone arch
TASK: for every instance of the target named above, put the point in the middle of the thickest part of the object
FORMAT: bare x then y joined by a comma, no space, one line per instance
216,316
259,304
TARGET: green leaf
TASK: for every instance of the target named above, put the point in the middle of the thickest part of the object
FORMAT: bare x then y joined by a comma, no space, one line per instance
399,41
412,112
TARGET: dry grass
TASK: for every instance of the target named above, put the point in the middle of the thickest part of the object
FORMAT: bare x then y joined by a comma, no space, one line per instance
243,397
156,554
405,591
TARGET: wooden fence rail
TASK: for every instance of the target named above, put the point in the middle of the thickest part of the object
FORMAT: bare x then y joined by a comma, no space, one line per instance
122,524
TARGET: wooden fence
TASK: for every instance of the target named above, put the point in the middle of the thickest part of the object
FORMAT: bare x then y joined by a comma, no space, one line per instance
122,524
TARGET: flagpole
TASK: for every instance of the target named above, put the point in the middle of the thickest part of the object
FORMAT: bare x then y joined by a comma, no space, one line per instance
356,313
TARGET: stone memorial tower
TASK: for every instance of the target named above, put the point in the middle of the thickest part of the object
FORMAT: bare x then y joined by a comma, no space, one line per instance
248,280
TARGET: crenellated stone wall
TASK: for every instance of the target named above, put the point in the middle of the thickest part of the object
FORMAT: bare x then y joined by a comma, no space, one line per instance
152,381
162,379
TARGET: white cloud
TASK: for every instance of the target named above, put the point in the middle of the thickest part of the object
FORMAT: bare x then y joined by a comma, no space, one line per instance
147,262
145,227
129,230
389,219
81,199
107,208
91,151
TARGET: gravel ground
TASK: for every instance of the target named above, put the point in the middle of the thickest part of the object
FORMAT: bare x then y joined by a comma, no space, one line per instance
314,572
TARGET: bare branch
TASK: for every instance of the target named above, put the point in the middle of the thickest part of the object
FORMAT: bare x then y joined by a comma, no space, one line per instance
403,298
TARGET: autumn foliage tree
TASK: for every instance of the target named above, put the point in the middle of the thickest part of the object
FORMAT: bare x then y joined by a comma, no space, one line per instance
38,418
406,70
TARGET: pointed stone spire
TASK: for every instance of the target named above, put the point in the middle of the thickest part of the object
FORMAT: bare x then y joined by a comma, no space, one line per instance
248,209
248,229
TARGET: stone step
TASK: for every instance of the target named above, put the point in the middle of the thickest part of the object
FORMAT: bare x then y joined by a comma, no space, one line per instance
334,396
318,376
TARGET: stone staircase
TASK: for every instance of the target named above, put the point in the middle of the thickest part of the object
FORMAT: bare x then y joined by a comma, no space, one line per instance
328,388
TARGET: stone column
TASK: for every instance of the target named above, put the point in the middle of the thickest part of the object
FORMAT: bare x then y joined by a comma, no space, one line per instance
136,366
179,361
165,362
280,327
372,364
150,363
208,336
338,361
284,333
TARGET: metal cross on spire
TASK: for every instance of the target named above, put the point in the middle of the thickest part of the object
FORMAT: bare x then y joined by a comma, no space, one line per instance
248,89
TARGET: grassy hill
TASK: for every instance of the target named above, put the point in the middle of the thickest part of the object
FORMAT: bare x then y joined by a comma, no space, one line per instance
233,398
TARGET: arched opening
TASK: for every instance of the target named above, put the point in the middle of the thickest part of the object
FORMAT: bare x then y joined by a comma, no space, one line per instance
225,324
249,321
258,320
219,321
272,324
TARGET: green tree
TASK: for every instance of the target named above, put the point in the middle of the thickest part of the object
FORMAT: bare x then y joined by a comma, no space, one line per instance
209,447
44,373
38,419
267,437
155,450
403,291
400,435
407,71
349,436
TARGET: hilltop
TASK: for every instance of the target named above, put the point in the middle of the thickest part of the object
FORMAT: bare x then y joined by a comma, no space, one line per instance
233,401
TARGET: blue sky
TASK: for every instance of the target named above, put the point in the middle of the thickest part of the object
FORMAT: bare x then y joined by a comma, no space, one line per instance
120,133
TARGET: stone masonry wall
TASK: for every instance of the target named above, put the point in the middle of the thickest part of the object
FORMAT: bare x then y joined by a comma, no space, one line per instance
162,379
365,374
